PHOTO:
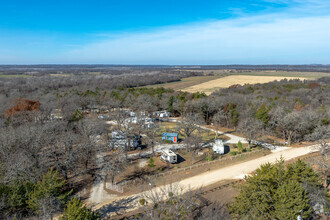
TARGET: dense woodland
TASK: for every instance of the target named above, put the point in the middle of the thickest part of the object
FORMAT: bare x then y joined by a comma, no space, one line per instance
41,159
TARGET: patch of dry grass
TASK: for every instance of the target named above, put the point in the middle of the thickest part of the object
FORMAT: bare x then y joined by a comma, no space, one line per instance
185,82
225,82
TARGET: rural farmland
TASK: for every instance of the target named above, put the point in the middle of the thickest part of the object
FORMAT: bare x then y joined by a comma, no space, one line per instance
213,85
187,110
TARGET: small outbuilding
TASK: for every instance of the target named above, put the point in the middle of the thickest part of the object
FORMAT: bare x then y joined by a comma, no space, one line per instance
168,156
170,136
218,147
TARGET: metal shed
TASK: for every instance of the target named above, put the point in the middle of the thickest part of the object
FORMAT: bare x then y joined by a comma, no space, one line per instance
170,136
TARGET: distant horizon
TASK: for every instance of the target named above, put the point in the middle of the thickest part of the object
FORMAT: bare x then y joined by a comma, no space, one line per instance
182,65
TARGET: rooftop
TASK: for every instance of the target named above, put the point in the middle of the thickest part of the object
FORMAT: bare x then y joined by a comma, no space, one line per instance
170,134
169,152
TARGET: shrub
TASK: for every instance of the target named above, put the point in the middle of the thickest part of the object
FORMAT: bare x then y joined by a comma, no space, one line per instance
151,162
167,141
76,210
142,201
208,158
233,153
239,146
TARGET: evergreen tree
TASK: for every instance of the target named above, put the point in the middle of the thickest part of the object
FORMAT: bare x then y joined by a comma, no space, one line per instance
291,200
47,195
273,186
302,173
170,104
76,116
18,193
75,210
239,146
232,113
151,162
262,114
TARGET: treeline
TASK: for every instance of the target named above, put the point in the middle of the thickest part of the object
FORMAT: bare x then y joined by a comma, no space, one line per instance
290,110
104,68
31,147
34,85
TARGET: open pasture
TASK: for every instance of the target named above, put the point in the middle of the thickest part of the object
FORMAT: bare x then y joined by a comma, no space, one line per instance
282,73
185,82
225,82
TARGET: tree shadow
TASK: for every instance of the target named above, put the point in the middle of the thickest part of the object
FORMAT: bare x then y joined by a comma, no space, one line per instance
138,174
117,206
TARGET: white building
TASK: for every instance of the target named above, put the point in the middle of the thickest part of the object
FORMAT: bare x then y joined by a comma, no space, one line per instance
218,146
168,156
161,114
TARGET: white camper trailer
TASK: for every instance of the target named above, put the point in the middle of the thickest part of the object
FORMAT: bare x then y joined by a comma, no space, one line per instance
218,147
168,156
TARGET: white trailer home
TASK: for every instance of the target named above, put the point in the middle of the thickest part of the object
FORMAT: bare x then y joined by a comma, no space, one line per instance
168,156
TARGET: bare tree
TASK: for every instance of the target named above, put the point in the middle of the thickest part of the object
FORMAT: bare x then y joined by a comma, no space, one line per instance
251,128
91,140
321,135
173,201
219,119
193,144
214,211
188,125
114,163
152,136
169,202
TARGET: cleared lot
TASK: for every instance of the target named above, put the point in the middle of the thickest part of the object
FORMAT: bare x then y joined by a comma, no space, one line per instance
213,85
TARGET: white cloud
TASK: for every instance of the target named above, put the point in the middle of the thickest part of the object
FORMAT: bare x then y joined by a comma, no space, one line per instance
296,34
256,39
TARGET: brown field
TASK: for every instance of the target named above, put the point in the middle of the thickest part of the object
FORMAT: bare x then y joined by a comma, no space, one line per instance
312,75
213,85
185,82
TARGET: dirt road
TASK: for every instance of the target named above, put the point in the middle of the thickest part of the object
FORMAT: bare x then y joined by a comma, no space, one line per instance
129,203
98,194
233,138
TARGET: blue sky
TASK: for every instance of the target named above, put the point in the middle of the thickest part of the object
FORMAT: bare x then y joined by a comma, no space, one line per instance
165,32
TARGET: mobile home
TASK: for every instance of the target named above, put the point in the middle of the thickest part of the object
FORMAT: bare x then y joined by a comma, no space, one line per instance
168,156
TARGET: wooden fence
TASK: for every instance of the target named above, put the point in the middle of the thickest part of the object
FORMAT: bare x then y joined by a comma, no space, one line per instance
114,187
124,183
